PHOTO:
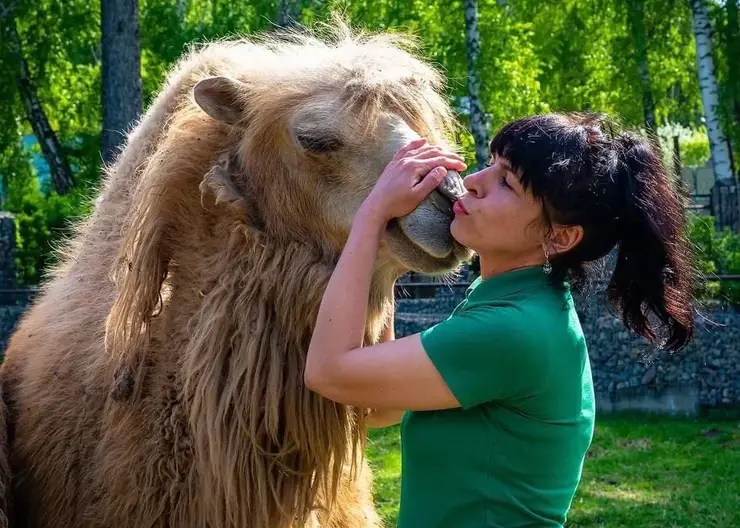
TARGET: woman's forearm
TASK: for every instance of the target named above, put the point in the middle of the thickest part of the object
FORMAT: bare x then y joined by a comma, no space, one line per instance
340,324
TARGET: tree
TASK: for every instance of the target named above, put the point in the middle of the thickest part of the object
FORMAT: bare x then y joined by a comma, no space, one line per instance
60,172
636,22
477,116
181,11
121,71
709,92
287,13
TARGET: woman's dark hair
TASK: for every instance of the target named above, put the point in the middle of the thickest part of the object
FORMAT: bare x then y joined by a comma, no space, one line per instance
612,183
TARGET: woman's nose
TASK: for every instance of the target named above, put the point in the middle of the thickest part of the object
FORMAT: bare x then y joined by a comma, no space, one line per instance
471,183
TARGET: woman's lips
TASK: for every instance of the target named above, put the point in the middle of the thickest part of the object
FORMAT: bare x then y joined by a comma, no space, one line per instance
459,208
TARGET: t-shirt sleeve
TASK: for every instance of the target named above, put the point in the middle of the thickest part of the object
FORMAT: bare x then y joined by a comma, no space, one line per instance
487,354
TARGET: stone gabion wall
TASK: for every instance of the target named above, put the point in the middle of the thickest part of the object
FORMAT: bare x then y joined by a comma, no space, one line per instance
7,251
623,364
9,317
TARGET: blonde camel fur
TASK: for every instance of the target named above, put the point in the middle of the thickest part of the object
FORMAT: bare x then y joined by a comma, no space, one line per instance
157,381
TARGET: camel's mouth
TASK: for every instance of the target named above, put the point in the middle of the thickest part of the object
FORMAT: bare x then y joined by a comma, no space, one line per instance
427,228
442,203
414,256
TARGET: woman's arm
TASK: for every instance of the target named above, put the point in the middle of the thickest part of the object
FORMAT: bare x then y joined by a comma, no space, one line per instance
385,417
391,375
378,418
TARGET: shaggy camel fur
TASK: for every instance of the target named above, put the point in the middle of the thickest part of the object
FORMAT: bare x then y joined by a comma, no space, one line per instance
158,379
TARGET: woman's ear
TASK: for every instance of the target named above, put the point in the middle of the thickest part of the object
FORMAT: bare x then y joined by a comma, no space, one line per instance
564,238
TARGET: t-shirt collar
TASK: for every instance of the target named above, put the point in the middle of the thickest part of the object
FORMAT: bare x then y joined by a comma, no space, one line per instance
507,283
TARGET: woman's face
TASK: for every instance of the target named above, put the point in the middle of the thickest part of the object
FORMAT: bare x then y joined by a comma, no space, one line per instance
497,218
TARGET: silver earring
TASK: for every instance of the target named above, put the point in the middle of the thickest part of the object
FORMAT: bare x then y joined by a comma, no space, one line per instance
547,266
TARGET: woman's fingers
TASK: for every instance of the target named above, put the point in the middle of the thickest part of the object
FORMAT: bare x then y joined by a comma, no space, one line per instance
413,145
431,181
431,151
421,149
423,166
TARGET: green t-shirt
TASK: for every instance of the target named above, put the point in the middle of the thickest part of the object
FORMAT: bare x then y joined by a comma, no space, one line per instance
514,356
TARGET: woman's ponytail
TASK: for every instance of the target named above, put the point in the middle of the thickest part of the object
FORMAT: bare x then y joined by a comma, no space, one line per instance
652,280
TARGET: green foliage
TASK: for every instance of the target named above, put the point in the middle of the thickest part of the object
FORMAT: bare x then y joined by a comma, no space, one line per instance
695,148
42,219
42,222
693,144
535,57
716,253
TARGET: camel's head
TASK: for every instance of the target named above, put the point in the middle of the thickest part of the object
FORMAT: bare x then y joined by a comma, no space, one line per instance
313,125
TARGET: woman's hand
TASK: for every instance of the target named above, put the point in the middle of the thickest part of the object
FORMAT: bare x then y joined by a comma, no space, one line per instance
414,172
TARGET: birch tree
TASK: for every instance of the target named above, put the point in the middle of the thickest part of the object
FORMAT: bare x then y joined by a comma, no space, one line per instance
477,115
709,92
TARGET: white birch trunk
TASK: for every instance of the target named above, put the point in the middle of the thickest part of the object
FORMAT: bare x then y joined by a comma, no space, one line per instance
477,116
709,92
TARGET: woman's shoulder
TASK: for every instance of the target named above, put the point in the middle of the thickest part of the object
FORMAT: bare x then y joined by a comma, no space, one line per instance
498,323
526,319
535,302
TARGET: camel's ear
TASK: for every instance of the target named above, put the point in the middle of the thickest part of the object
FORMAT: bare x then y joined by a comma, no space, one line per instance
222,183
222,98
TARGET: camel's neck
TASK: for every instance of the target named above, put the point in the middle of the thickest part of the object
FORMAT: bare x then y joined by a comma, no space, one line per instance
288,279
243,375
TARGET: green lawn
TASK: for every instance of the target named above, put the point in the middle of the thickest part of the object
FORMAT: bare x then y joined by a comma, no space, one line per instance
641,472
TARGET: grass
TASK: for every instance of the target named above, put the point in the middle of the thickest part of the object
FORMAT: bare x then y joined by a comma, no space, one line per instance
641,471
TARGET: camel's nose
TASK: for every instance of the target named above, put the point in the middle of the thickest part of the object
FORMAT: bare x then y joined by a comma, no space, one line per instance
452,186
448,192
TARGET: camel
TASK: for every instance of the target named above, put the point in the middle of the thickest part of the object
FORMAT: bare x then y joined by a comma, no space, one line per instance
158,378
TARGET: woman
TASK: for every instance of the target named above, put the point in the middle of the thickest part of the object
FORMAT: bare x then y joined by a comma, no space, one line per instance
500,395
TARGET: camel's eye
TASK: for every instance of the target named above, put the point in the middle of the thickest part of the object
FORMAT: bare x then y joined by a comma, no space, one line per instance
319,141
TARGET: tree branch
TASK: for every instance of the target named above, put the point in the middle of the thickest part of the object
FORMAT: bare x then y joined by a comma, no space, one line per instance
60,171
6,8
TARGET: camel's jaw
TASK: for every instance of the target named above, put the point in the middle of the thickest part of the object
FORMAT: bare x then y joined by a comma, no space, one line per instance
412,256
